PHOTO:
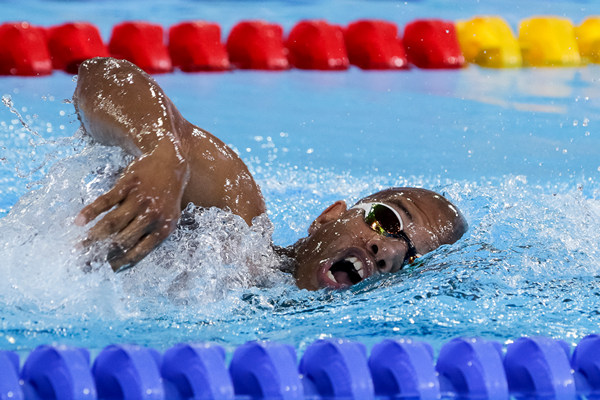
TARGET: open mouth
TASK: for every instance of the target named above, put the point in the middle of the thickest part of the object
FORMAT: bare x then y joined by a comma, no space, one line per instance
348,270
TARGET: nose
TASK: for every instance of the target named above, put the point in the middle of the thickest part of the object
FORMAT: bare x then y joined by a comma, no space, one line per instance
386,255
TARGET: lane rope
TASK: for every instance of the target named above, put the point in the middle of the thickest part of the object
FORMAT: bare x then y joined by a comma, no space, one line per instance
194,46
469,368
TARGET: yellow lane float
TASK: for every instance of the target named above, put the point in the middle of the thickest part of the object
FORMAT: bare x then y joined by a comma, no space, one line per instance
588,39
489,42
548,42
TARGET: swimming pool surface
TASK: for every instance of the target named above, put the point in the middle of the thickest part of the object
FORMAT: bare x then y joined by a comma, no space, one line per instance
515,150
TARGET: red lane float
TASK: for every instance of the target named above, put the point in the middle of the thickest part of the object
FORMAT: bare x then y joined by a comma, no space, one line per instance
196,46
142,43
374,44
432,43
72,43
23,50
317,45
257,45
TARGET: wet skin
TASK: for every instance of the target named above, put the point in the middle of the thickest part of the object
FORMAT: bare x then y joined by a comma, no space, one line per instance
177,163
342,249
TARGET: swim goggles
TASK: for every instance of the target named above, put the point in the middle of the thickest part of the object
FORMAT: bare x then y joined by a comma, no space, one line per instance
386,221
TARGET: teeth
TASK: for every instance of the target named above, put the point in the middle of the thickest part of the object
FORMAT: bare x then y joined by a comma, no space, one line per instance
360,271
358,265
330,276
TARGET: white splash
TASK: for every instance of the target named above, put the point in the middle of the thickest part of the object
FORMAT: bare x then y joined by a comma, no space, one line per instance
210,254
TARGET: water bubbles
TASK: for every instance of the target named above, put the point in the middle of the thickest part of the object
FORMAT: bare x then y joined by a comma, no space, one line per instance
218,277
212,254
528,245
7,101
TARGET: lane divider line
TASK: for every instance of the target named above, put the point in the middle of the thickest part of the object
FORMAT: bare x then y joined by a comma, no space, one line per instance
468,368
488,41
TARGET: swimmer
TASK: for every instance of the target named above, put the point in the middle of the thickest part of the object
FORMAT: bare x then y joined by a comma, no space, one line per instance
177,163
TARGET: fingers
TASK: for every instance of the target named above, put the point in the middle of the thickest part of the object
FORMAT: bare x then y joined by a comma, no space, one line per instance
113,222
140,214
131,235
136,240
101,204
123,260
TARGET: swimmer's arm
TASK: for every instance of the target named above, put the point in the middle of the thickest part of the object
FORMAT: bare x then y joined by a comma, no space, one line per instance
218,177
177,163
118,105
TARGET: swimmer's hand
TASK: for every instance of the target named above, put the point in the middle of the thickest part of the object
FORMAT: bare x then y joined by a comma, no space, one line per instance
144,207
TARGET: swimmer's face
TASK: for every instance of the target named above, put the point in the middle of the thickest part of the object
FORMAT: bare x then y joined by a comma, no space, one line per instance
346,246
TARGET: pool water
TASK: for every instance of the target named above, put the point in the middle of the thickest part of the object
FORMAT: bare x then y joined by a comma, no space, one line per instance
515,150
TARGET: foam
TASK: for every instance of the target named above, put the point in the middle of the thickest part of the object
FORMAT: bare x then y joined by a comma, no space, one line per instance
528,264
211,253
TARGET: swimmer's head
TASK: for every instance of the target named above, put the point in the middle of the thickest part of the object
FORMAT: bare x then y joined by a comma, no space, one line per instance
382,233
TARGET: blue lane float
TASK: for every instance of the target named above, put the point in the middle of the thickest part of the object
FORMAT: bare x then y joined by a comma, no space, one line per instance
539,367
337,369
196,371
128,372
465,368
58,372
10,387
404,369
586,366
472,369
266,370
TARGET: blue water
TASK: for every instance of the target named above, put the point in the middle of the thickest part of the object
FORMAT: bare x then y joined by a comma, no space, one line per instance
516,151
